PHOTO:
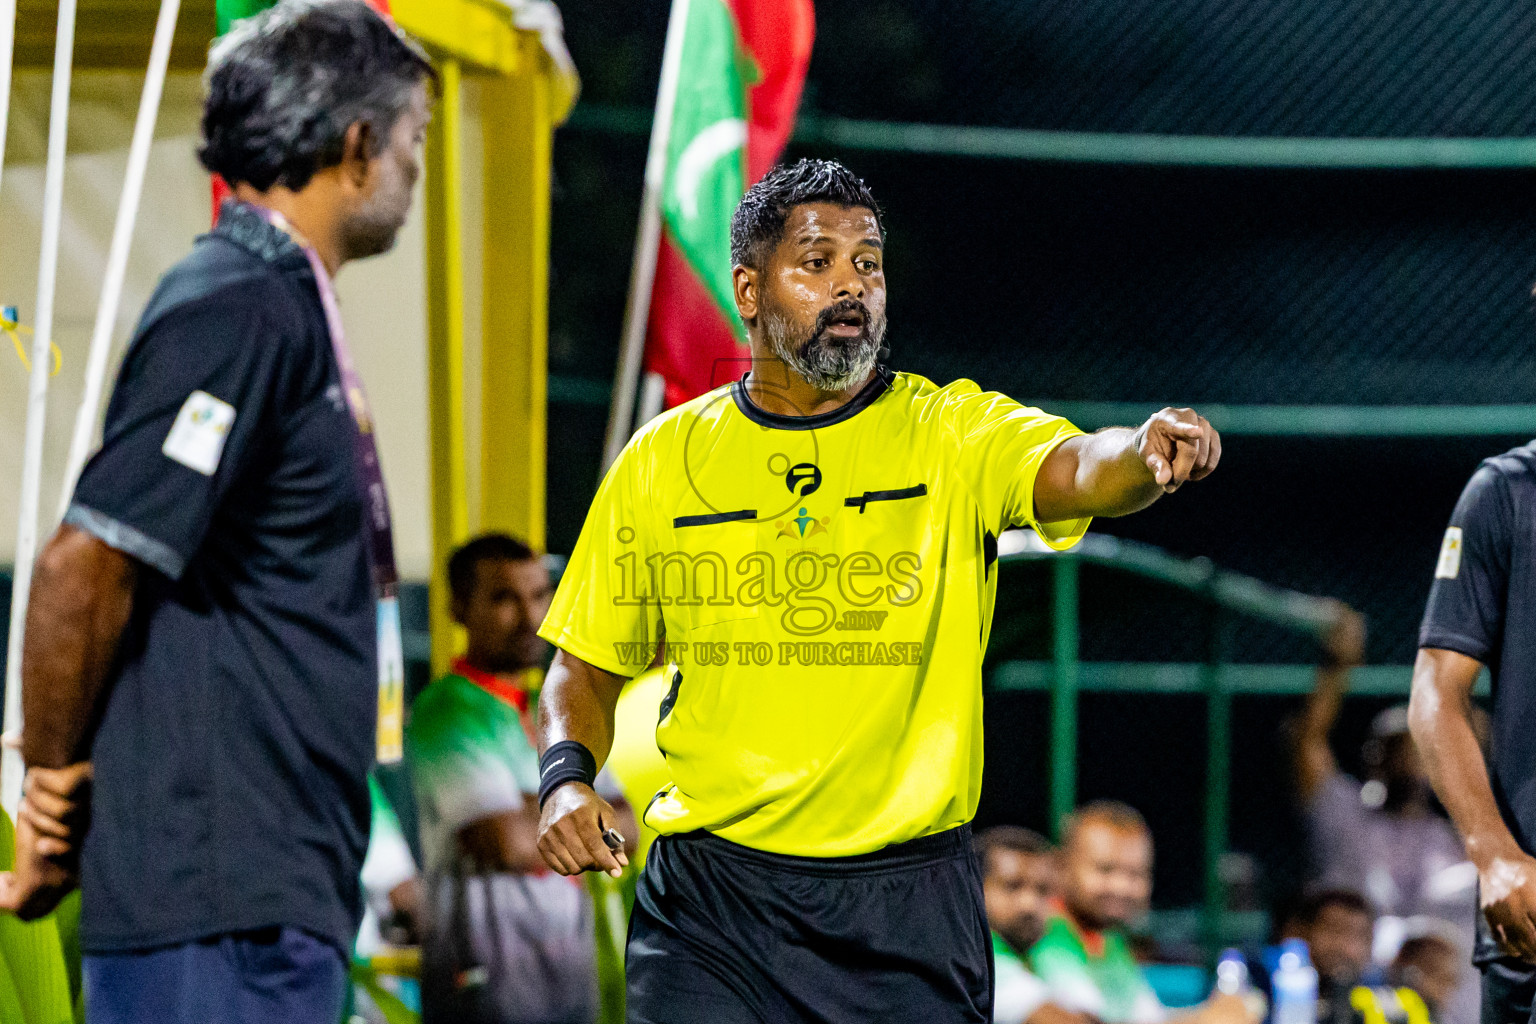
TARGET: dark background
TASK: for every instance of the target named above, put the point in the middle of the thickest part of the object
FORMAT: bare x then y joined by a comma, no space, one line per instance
1148,285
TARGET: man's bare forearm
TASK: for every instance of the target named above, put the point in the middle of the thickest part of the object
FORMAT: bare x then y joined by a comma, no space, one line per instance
1441,722
82,594
1100,475
1119,471
1116,474
577,703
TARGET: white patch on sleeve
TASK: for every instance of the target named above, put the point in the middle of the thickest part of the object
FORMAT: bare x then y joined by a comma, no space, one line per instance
197,437
1449,566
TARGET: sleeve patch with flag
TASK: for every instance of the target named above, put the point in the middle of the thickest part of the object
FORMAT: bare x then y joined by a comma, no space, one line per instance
197,437
1449,566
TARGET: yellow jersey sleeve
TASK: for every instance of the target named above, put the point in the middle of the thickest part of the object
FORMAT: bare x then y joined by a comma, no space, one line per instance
1002,445
598,612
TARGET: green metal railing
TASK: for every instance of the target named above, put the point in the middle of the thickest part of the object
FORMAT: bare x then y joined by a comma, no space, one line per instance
982,142
1134,149
1236,420
1228,595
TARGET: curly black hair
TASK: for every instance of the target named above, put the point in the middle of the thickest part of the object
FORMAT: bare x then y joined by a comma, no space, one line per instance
758,224
285,85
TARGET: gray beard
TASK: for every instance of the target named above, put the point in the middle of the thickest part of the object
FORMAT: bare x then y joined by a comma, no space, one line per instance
364,236
825,364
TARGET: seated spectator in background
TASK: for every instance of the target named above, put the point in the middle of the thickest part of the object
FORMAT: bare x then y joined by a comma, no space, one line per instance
1018,870
1384,839
505,940
1423,977
1083,957
1430,965
1336,926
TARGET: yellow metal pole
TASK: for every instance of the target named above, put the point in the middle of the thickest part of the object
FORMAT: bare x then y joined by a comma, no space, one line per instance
515,112
445,355
478,32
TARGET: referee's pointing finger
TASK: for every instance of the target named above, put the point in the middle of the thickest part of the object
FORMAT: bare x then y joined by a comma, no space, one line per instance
1215,459
1184,456
1207,450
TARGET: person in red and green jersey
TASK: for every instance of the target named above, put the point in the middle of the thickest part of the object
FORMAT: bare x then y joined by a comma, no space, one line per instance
1084,957
506,941
816,542
1019,870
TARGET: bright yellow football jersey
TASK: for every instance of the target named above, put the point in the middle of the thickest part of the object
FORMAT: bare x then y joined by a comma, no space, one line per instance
825,587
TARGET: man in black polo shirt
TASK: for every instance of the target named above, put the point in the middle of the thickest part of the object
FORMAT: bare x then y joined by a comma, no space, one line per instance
210,630
1482,611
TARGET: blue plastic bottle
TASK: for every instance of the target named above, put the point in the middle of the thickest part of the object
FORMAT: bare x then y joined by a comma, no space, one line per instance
1294,985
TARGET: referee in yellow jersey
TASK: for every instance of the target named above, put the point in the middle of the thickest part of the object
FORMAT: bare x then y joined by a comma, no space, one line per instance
815,543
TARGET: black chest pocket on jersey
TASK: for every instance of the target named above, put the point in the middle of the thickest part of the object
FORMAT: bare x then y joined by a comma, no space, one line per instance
863,501
714,518
698,579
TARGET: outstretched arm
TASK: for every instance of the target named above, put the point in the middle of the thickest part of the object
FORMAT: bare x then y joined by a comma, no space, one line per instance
577,704
1313,762
82,593
1118,470
1439,715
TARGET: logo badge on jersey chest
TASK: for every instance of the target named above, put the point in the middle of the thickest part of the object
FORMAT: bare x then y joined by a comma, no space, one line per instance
804,479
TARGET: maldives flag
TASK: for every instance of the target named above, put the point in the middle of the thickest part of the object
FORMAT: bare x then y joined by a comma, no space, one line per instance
741,72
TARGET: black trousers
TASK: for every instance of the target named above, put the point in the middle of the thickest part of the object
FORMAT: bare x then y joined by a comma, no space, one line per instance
721,933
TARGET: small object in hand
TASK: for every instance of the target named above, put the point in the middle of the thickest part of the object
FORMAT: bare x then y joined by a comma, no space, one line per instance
614,840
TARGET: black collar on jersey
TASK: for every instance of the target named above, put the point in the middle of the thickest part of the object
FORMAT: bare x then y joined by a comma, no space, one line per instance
243,226
877,386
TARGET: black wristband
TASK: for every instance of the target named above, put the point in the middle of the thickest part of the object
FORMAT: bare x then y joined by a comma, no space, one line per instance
566,761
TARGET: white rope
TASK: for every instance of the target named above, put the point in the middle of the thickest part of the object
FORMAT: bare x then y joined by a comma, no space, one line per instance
37,395
117,256
7,48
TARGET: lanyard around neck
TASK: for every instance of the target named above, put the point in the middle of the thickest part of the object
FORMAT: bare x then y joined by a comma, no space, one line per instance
365,450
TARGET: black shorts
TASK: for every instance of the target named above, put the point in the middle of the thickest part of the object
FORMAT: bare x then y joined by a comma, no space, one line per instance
1509,988
722,934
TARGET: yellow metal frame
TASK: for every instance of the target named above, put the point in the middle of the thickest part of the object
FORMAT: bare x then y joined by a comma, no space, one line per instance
478,33
520,100
518,134
116,33
445,352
